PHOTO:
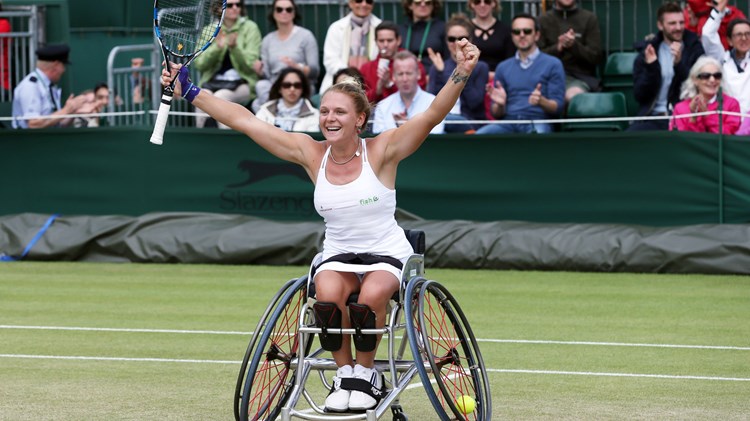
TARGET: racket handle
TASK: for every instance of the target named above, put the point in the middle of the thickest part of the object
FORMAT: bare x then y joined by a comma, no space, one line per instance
157,137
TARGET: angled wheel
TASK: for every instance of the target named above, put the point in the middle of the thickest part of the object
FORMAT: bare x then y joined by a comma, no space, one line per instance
446,351
266,382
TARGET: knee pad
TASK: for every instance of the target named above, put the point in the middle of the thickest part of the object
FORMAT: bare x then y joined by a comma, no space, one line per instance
328,316
362,318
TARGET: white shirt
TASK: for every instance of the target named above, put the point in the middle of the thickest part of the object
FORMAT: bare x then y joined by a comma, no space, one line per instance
393,104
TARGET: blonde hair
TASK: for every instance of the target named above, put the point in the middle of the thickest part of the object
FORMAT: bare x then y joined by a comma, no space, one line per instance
354,90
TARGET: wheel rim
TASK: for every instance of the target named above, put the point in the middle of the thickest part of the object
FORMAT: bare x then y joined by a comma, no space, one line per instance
272,377
449,351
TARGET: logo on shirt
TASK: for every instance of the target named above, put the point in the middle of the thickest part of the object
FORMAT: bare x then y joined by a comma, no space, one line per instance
368,201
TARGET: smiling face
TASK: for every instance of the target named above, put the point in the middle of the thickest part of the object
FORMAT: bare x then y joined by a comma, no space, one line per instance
362,8
708,80
672,25
338,117
483,9
740,39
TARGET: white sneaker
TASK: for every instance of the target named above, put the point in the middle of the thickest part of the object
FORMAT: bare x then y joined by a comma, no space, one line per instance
338,399
360,401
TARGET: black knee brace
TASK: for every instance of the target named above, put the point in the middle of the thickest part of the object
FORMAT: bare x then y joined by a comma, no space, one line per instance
362,318
328,315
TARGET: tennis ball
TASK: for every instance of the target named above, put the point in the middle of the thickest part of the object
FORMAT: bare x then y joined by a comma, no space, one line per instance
465,404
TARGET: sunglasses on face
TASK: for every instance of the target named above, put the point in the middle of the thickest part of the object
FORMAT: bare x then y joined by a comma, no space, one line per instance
289,85
487,2
231,5
423,3
454,39
284,9
366,1
706,76
525,31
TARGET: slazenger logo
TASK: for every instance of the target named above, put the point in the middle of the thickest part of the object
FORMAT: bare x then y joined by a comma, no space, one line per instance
258,170
368,201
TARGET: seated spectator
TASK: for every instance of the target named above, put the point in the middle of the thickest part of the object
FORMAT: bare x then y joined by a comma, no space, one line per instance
701,92
350,41
472,97
661,66
409,99
572,35
491,35
697,13
735,61
290,45
423,29
350,74
529,86
37,95
377,73
97,100
289,107
227,64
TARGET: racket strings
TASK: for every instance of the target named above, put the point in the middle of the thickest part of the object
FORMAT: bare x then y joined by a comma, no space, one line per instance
186,26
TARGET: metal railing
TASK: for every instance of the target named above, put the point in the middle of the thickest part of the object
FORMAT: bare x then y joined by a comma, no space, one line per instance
18,46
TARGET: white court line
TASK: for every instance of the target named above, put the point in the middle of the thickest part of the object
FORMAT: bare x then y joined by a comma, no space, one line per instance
491,370
510,341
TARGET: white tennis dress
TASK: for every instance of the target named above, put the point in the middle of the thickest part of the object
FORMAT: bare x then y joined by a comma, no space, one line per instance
360,219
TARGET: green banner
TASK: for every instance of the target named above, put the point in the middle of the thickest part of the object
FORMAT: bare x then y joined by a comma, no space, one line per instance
656,179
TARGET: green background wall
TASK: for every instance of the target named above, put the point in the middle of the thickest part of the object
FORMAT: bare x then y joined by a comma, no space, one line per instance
666,179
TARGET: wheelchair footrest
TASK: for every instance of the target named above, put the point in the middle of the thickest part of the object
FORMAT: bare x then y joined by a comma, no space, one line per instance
365,387
328,316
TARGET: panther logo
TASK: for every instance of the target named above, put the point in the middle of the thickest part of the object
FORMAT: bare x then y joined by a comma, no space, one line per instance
258,170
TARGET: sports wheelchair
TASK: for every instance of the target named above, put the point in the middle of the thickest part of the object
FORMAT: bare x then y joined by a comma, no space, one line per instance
423,314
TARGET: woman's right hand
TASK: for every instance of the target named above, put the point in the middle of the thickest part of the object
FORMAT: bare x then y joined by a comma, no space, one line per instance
168,76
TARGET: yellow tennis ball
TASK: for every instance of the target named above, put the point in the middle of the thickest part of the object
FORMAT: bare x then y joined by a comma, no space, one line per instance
466,404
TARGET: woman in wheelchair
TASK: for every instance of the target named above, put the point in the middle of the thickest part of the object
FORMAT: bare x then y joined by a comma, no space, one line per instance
364,249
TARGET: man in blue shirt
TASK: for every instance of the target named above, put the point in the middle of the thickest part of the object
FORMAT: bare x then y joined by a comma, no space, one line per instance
37,95
408,101
529,86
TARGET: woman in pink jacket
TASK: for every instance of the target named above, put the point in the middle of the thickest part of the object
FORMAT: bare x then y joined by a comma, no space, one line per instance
701,92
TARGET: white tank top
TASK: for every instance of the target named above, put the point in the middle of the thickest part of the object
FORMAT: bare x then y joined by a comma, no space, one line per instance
359,215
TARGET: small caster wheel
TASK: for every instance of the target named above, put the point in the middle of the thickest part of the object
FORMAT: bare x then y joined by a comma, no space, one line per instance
398,413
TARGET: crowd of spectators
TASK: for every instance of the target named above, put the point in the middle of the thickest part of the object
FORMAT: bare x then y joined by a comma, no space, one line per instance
530,69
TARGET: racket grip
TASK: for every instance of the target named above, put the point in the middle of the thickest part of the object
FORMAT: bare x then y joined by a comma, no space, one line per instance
157,137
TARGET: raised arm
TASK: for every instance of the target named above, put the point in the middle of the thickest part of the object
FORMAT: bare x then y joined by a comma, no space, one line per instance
710,33
298,148
406,139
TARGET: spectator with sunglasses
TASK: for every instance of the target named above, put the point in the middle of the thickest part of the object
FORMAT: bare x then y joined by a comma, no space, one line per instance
491,35
289,107
702,92
226,66
290,45
572,35
529,86
736,60
423,29
350,41
472,97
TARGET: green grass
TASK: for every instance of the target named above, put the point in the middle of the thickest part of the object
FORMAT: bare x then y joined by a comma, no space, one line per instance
545,379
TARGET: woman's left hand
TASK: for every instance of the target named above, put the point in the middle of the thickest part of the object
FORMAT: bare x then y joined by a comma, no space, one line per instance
467,55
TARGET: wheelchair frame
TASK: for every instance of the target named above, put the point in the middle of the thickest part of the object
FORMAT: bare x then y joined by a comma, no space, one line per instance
280,357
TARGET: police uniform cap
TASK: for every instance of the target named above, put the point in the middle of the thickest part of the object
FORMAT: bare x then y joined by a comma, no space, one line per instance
54,52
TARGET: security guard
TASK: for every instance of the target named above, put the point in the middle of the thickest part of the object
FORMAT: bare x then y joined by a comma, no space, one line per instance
36,95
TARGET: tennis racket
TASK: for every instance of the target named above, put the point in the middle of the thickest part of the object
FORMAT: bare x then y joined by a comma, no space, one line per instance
183,29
